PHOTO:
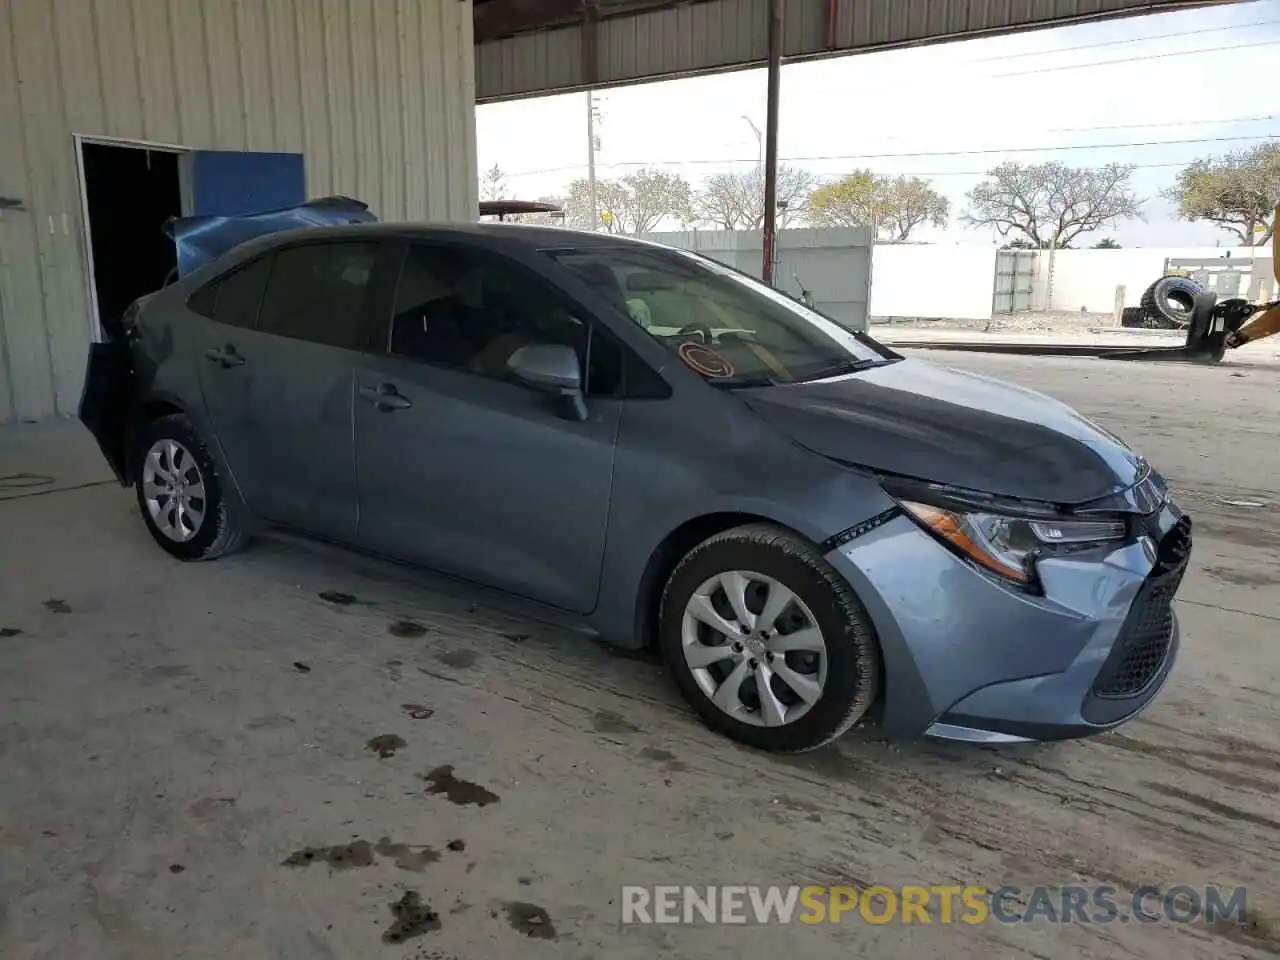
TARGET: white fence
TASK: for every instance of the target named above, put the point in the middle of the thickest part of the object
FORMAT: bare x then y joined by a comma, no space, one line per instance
851,280
834,265
922,280
1086,280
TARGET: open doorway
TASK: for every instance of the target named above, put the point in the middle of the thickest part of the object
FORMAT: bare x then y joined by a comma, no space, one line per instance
130,191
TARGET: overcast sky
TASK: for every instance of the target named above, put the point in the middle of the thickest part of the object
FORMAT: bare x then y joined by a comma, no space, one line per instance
1091,94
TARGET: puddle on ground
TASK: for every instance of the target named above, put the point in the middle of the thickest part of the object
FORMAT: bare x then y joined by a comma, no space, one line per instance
337,597
386,744
417,711
176,868
530,919
406,628
665,757
457,846
57,606
606,721
442,781
406,857
7,632
413,918
344,857
301,667
458,658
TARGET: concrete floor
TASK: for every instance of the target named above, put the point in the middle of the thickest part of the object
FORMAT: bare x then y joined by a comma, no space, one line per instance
171,734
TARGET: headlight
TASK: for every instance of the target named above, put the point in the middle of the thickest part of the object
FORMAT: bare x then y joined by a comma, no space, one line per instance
1007,545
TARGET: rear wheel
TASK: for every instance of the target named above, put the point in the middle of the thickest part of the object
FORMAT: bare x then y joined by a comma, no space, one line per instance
767,642
180,492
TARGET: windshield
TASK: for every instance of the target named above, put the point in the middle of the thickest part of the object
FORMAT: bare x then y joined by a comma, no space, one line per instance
724,325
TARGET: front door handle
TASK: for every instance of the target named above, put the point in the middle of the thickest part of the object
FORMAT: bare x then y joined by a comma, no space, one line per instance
226,357
385,397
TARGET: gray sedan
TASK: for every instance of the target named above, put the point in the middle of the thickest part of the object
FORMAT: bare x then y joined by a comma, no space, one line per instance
809,527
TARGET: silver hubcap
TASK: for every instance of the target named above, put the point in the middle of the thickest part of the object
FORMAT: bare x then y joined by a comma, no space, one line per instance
754,648
173,490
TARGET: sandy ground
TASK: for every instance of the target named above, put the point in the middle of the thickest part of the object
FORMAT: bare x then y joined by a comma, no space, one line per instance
171,735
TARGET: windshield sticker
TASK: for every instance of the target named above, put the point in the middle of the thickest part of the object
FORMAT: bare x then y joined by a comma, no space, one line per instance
702,359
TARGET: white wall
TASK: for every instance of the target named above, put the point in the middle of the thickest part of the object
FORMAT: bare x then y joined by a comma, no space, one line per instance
922,280
1088,278
835,265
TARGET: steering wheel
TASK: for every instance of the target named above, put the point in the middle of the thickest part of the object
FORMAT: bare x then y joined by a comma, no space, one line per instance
701,329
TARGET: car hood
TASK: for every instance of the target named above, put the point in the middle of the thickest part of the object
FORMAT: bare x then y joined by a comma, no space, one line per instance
914,419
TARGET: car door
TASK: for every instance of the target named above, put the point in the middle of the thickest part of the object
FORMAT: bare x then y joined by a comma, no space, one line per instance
277,373
461,468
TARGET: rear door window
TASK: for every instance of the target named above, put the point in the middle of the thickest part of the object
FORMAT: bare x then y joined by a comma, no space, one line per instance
234,298
317,292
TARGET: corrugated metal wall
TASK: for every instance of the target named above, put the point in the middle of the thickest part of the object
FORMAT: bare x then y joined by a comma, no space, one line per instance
378,94
724,34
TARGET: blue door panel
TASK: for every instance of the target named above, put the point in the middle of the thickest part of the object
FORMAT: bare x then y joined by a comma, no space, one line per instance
232,183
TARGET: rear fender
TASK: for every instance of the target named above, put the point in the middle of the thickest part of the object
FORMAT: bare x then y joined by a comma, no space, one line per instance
108,401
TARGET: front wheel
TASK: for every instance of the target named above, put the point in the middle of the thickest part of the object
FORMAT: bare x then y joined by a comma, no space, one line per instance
767,642
180,492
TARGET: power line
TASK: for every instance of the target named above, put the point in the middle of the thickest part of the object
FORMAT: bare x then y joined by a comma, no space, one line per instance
1149,56
906,156
1127,40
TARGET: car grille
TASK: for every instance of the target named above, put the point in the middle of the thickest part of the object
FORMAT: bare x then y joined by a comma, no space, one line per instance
1140,649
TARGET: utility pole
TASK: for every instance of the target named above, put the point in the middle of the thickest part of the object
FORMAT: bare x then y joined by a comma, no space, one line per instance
759,140
774,73
591,160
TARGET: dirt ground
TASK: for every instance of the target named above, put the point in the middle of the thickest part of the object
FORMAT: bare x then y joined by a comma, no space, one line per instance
181,746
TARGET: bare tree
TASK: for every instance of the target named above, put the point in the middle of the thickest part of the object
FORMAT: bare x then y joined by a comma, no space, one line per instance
890,206
1051,203
636,203
1238,192
493,184
735,201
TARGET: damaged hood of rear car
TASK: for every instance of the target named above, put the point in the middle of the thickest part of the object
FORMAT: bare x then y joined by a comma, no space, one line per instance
914,419
200,240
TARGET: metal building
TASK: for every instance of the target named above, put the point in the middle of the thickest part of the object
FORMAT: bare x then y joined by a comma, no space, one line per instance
115,114
104,105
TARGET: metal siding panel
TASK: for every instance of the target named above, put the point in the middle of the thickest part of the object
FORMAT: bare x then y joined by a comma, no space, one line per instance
364,104
27,392
467,196
45,154
336,69
413,105
448,123
313,86
81,76
118,63
255,60
436,161
191,81
155,72
224,77
282,44
390,109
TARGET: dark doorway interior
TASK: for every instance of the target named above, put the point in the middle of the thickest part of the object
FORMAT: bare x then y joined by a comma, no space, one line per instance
130,193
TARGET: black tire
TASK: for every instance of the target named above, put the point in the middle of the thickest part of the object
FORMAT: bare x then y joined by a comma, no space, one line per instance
218,533
1171,300
852,649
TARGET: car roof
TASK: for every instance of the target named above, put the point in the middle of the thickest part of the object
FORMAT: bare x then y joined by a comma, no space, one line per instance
527,236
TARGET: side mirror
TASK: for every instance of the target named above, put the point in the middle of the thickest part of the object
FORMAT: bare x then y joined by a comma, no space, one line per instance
551,368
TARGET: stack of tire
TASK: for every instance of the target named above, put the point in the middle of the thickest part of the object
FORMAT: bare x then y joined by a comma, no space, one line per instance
1166,305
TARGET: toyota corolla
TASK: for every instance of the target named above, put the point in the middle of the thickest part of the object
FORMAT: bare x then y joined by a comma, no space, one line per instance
808,526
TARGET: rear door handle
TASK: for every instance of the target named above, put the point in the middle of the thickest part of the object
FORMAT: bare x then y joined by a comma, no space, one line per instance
385,397
226,357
